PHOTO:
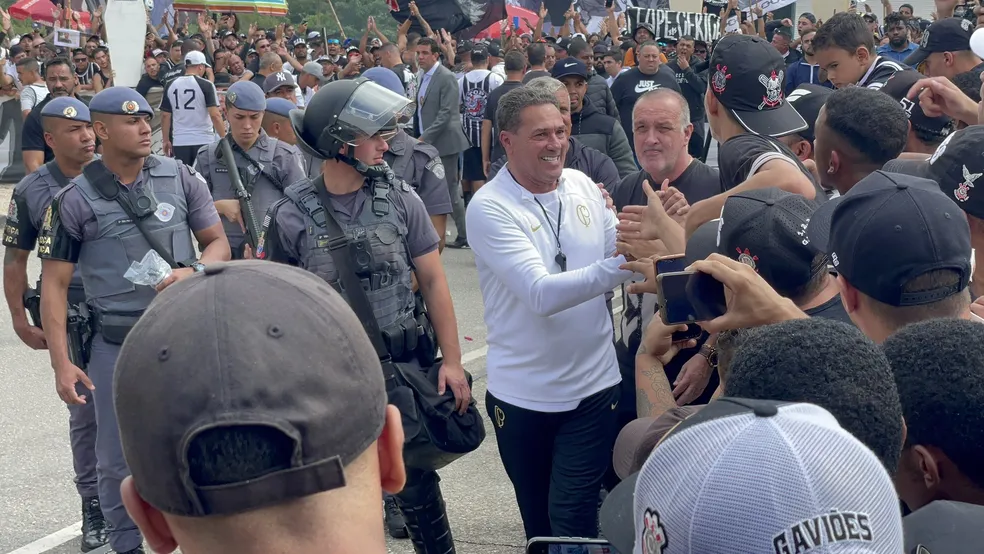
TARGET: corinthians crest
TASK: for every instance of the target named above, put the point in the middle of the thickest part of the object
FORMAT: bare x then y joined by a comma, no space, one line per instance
720,78
773,89
962,192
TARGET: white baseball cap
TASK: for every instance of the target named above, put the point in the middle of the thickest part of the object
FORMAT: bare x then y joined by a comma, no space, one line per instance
195,58
755,476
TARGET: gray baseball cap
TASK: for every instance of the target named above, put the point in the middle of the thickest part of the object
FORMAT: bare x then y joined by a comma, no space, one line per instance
210,354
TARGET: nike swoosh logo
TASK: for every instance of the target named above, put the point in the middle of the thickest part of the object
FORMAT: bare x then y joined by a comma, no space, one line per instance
613,405
537,228
572,64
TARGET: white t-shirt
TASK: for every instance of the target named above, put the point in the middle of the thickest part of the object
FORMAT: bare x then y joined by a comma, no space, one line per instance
187,99
549,332
32,95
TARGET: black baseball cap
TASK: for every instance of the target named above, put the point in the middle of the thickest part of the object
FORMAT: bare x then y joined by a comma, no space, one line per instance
947,35
957,166
569,66
898,86
766,230
807,99
297,363
563,43
480,51
889,229
748,77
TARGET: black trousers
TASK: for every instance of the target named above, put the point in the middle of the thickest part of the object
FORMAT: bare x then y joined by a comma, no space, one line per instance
556,461
187,154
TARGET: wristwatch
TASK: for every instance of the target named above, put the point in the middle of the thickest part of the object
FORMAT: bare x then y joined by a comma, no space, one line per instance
198,267
710,354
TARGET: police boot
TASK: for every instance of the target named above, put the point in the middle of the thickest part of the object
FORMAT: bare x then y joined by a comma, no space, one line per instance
395,524
94,534
426,515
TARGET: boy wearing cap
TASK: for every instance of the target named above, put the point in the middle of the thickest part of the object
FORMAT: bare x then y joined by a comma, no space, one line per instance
940,376
845,49
901,249
69,134
694,492
266,165
233,468
747,111
946,52
190,104
88,225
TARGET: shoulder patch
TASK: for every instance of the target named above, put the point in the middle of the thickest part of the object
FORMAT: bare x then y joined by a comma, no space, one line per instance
436,167
197,175
12,211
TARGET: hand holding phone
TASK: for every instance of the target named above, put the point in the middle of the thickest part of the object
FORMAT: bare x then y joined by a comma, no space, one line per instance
689,296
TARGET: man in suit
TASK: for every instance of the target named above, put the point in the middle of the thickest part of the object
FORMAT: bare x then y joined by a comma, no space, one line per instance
439,124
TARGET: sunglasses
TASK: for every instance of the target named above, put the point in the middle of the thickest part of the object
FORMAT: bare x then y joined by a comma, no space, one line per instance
79,60
700,51
333,41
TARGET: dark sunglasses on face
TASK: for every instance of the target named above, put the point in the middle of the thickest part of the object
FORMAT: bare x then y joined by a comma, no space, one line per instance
700,51
80,60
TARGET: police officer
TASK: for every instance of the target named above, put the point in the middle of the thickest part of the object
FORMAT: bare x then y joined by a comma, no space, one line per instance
266,165
276,120
68,133
110,216
347,125
416,162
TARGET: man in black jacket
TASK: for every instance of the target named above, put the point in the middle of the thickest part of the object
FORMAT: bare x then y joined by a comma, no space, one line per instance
590,125
599,167
692,86
598,91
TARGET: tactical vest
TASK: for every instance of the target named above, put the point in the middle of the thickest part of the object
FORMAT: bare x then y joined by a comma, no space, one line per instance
39,198
118,242
263,192
386,278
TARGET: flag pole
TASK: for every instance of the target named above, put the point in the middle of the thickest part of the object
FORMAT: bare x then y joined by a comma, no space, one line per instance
333,12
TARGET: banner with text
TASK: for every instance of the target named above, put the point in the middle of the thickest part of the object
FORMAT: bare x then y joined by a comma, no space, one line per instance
670,24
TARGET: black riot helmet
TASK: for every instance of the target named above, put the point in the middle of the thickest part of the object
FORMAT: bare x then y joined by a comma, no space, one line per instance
349,111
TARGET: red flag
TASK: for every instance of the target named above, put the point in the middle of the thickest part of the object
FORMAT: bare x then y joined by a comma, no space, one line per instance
393,6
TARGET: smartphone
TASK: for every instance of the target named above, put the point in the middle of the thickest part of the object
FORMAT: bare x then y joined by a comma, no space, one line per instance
558,545
689,296
516,22
670,264
609,3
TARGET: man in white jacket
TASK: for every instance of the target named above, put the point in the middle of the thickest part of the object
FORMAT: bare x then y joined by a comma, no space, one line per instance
544,245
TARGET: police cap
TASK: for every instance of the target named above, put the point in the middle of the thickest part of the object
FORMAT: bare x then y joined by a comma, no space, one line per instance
120,101
66,107
246,95
280,106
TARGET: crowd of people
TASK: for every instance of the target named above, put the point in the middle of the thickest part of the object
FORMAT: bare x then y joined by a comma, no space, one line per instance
839,392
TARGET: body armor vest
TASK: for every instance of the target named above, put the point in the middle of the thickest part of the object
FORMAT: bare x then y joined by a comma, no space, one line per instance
382,259
118,242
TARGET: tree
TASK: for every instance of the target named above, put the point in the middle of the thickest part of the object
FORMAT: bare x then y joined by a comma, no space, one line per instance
352,13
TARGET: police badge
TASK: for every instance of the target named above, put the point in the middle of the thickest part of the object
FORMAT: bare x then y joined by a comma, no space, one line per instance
70,112
130,107
436,167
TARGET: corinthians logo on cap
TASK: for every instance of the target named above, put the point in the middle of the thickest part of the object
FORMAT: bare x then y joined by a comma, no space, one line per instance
69,112
130,107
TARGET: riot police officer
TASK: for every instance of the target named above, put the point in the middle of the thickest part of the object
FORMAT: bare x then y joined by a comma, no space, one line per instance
119,209
266,166
416,162
68,132
347,125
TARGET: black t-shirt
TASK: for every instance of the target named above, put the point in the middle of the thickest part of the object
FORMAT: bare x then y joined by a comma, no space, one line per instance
172,73
490,106
535,74
259,79
743,155
146,83
831,309
32,136
629,86
698,182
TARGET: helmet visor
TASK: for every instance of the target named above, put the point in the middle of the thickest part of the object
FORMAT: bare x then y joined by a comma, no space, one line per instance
371,110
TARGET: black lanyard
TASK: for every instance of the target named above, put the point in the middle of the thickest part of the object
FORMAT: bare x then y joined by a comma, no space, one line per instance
560,258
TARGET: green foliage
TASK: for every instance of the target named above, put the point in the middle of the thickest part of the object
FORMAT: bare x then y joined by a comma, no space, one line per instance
317,13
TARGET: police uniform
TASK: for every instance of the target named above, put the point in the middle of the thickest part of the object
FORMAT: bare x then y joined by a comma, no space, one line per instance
416,162
95,232
25,217
265,169
387,220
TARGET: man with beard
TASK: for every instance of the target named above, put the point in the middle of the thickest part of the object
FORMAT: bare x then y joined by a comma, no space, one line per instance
807,70
59,76
693,87
647,76
898,48
66,122
598,91
590,125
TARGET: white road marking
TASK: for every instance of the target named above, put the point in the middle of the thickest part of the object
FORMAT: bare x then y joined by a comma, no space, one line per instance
57,538
62,536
